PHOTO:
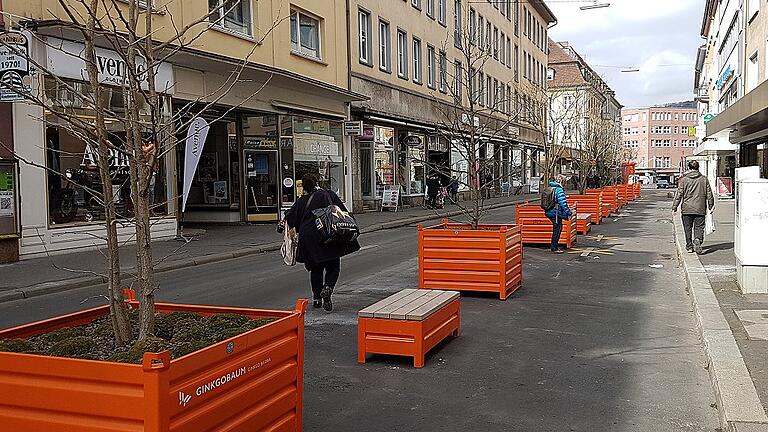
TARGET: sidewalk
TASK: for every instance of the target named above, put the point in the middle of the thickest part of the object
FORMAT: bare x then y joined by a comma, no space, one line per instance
39,276
734,327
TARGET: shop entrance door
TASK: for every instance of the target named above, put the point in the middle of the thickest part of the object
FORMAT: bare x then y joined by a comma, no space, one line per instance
261,185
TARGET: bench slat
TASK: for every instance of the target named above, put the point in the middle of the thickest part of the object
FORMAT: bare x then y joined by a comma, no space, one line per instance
402,312
385,311
432,306
369,311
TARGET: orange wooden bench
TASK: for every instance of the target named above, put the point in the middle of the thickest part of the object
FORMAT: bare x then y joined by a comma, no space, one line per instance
537,228
408,323
583,223
588,203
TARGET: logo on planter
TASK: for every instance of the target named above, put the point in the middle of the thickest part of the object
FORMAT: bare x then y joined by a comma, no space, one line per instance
184,399
231,347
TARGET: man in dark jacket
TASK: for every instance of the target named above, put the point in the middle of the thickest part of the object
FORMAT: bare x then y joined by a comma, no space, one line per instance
556,215
322,261
694,197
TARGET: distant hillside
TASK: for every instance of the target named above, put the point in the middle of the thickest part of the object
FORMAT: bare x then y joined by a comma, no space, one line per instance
686,104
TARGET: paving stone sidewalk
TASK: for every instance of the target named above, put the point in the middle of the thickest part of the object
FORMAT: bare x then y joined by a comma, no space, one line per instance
38,276
746,317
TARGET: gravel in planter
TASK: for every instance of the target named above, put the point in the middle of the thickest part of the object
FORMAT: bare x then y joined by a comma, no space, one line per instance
181,333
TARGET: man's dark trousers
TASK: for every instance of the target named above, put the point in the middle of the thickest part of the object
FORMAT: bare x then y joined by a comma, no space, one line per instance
695,223
557,229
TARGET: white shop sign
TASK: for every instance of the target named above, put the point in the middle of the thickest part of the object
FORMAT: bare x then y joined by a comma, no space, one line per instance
391,197
14,66
315,147
67,60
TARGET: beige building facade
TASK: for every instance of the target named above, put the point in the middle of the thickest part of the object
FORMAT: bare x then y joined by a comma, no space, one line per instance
275,75
414,59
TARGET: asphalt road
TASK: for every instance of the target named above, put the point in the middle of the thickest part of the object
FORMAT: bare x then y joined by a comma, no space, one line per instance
597,343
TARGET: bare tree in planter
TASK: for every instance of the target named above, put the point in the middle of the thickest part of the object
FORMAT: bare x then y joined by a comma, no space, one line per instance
130,29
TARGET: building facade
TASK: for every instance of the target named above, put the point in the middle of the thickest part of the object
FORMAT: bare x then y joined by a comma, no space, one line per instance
730,88
412,58
281,117
584,114
659,138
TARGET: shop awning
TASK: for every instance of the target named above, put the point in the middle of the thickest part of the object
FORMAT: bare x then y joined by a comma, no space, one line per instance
746,120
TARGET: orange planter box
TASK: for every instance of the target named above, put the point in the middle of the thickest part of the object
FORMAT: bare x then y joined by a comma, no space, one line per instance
631,192
611,196
251,382
583,223
623,194
459,258
537,228
638,189
589,203
605,206
407,338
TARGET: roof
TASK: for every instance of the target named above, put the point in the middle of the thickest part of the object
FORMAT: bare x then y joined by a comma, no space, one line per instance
571,70
543,10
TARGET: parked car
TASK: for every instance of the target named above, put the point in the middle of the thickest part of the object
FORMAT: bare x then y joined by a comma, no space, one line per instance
663,184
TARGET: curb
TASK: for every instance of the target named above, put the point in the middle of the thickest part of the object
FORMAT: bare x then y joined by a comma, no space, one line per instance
738,405
85,281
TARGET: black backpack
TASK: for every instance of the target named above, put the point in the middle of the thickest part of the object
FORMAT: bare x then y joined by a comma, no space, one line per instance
548,201
334,224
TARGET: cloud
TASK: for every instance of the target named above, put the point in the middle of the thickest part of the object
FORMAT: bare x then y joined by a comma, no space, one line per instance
652,35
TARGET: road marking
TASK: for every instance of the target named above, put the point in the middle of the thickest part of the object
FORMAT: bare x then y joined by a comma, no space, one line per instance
587,251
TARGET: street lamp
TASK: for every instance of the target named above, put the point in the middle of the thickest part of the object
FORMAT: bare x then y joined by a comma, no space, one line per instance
630,70
595,5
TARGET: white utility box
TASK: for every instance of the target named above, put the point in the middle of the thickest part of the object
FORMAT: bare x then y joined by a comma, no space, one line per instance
751,232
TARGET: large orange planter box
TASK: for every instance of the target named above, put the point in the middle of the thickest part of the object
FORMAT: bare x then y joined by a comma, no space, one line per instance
631,192
622,190
589,203
605,206
537,228
583,223
638,189
459,258
611,196
251,382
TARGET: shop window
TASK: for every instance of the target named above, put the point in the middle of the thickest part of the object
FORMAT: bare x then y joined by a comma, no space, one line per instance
317,149
232,15
305,35
411,160
74,182
377,162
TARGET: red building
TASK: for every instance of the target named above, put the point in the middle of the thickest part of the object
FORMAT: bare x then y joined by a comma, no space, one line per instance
659,138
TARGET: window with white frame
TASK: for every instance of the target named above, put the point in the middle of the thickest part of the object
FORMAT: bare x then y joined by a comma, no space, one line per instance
231,15
567,101
441,11
458,83
753,8
517,62
472,26
473,85
443,72
567,133
402,54
305,34
481,32
364,39
495,43
431,8
457,30
416,60
508,48
502,50
431,73
489,92
481,88
416,4
385,52
488,35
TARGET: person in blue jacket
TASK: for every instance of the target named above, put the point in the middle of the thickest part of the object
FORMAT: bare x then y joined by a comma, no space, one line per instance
556,215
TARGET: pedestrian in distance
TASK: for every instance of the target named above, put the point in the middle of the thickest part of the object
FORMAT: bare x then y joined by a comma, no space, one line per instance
694,198
322,260
453,189
555,205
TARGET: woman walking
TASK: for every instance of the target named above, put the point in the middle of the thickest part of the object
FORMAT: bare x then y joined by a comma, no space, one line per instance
322,260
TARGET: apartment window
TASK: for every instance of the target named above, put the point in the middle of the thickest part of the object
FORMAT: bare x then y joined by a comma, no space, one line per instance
489,91
488,35
473,85
443,72
496,43
441,12
567,101
550,74
676,116
457,23
667,162
481,32
525,65
472,26
457,80
508,48
364,43
752,72
674,129
509,100
232,16
502,50
567,133
385,53
416,4
517,19
305,34
416,61
402,54
481,89
753,8
517,62
431,8
674,143
430,66
508,7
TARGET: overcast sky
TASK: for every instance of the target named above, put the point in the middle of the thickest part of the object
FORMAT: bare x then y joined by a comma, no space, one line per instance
648,34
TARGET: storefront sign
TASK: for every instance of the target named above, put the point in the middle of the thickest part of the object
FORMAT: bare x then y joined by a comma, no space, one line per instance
260,143
708,118
368,134
315,147
724,77
534,183
353,128
412,141
67,59
288,182
196,136
14,66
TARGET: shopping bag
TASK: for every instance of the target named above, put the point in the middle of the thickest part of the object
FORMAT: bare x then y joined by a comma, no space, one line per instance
290,246
709,223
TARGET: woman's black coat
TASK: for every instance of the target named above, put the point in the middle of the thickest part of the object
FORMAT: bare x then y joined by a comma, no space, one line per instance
311,251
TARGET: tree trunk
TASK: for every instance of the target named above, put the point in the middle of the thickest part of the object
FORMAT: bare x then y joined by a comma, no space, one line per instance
118,309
